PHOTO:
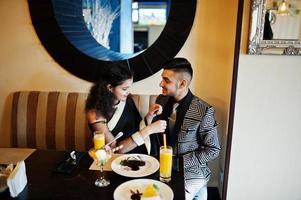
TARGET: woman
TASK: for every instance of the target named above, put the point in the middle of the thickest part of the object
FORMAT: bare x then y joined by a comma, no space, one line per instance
110,109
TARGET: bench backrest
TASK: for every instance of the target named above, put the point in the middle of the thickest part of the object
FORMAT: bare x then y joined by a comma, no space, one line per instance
56,120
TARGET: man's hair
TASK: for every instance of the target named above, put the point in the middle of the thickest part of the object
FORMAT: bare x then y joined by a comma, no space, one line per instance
179,65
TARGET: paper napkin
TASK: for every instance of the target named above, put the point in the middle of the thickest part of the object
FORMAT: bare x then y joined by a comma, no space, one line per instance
17,180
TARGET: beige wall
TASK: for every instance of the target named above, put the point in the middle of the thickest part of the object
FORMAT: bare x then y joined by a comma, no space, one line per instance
25,65
265,161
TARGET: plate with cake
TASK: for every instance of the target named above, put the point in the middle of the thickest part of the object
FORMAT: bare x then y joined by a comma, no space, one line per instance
143,189
135,165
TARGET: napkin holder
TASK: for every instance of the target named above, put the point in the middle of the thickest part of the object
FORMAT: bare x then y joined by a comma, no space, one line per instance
17,179
67,165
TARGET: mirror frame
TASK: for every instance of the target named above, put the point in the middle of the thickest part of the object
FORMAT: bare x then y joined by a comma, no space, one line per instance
258,46
145,64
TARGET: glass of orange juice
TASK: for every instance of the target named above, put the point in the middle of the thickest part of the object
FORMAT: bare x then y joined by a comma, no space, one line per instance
98,139
165,163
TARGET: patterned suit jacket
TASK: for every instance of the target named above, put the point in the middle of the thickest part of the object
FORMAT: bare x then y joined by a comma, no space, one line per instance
196,138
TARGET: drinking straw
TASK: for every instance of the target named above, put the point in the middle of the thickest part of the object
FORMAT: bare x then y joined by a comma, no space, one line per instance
164,141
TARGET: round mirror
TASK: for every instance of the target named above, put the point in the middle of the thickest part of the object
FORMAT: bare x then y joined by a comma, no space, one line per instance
63,31
127,26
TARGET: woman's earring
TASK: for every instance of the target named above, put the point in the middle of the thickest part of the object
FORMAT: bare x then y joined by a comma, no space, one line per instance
109,87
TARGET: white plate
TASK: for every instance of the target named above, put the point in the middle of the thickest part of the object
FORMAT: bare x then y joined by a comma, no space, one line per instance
122,192
150,167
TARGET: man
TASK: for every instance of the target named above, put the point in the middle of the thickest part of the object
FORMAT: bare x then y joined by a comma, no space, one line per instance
191,129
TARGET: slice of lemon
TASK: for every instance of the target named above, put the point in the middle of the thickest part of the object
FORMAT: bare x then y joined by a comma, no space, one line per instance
92,154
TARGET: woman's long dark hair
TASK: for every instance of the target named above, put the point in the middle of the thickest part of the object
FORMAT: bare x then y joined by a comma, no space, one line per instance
100,98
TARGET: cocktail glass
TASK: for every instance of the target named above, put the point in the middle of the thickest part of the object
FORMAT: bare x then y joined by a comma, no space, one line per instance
101,157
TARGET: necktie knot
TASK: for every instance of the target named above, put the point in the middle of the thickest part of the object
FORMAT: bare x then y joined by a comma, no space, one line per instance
173,116
175,106
174,111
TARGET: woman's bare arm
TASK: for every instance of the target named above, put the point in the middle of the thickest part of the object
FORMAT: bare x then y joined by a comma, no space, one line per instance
98,123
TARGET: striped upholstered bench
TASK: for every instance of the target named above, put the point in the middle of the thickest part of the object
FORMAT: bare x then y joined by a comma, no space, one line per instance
56,120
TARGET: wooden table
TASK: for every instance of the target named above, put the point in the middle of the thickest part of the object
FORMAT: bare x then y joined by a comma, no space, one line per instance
43,183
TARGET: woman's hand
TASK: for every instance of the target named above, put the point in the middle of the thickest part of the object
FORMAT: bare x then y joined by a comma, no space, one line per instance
155,127
155,109
158,126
